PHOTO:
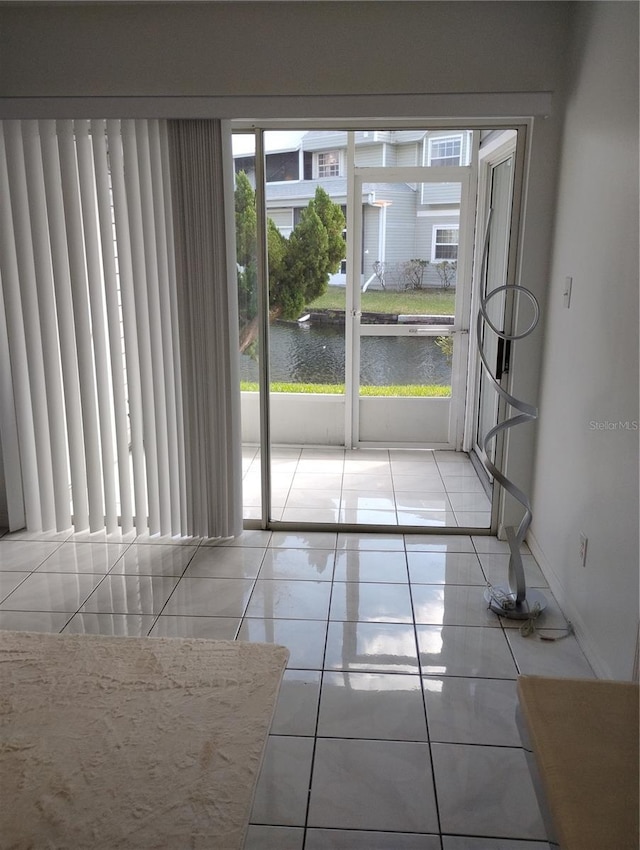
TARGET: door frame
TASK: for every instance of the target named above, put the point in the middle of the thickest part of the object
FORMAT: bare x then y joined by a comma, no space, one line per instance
356,177
495,154
522,127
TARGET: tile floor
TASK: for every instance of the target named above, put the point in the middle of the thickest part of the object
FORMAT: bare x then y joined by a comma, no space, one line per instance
394,728
368,486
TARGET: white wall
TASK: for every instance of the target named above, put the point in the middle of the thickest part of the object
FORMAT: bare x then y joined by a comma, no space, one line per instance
318,420
586,479
305,48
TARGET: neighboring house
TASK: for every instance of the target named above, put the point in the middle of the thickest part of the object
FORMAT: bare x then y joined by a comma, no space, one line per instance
401,221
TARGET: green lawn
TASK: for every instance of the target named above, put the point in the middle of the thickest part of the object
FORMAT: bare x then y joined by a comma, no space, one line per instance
429,390
438,302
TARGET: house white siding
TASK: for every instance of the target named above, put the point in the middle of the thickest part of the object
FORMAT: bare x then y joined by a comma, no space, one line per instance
400,234
401,227
283,220
407,155
370,156
440,193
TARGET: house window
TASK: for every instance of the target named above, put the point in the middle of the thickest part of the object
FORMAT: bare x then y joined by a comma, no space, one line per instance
445,244
445,151
281,167
329,164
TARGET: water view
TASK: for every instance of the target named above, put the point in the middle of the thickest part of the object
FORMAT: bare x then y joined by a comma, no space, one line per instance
315,354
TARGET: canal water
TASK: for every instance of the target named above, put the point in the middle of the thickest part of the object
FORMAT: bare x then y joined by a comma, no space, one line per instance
315,354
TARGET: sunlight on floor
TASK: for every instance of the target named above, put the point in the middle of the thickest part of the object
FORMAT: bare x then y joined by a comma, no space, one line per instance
369,486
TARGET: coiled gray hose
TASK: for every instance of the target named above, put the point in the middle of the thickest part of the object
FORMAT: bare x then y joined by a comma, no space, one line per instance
526,413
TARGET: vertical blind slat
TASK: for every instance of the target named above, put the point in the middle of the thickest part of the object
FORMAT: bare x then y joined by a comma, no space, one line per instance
9,428
18,347
176,348
116,156
154,320
65,321
114,331
48,326
97,309
182,361
209,333
31,318
167,341
141,312
79,292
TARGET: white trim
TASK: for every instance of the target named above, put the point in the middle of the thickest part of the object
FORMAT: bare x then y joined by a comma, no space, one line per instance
413,174
423,174
489,157
449,213
352,305
499,148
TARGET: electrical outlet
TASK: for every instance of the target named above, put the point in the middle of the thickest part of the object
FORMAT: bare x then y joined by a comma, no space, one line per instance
583,549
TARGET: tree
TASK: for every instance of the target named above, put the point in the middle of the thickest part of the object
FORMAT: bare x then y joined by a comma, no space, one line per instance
332,217
304,274
299,267
245,204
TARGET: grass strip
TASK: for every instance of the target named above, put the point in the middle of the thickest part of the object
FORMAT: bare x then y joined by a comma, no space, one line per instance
409,390
438,302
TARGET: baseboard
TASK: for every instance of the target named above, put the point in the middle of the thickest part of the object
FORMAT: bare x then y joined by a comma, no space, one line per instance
587,645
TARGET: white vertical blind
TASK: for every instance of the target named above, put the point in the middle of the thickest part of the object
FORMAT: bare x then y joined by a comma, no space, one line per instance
207,306
58,237
47,313
128,319
97,313
30,314
113,322
97,429
20,398
9,428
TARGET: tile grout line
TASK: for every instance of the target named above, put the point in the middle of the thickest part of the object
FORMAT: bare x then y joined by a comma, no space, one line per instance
317,724
424,702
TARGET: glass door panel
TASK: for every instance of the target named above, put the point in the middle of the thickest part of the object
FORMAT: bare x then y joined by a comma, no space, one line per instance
406,293
495,275
305,207
246,256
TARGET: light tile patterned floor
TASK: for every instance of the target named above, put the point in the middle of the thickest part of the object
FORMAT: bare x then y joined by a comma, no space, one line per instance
368,486
395,726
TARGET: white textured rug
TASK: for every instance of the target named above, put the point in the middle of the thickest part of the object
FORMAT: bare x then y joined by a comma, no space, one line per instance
131,742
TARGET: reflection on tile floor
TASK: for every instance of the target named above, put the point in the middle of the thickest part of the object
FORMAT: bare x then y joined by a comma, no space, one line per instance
395,722
368,486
